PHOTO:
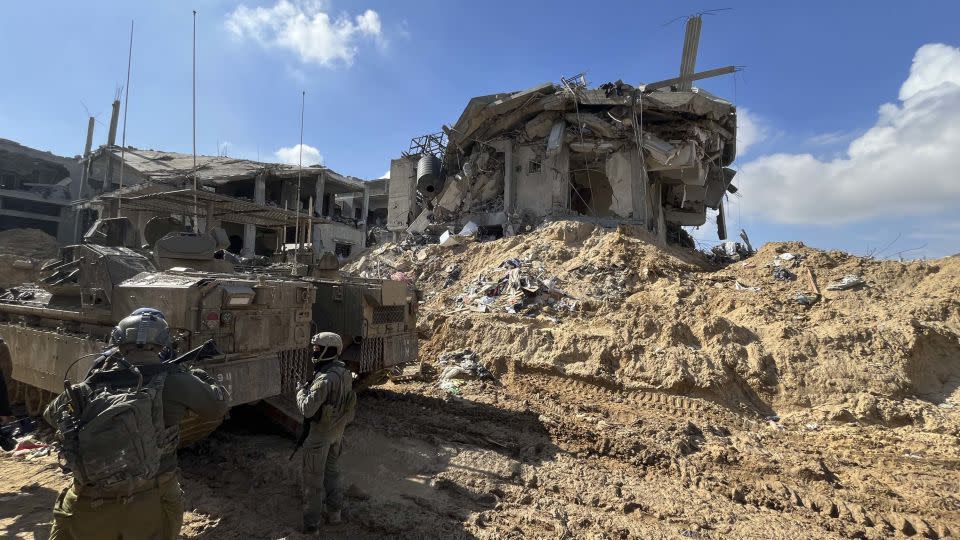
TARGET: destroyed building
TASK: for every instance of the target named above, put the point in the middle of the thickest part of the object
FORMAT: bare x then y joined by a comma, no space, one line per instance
222,181
615,153
36,190
655,155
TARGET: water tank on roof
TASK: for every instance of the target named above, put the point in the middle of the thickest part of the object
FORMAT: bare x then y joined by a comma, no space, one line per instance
429,179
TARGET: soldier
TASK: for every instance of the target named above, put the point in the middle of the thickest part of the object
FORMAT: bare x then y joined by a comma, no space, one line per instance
137,493
327,402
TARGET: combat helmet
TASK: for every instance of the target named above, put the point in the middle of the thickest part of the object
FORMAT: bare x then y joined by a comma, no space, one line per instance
144,329
330,346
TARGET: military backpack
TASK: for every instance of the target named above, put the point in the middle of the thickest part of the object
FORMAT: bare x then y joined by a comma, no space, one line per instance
112,427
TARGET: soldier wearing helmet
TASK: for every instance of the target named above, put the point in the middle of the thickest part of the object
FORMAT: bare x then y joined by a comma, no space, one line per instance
327,402
155,509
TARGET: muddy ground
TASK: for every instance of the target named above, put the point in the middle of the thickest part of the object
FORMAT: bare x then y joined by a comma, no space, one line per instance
534,456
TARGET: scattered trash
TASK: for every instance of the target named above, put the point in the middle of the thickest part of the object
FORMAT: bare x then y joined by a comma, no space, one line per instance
849,281
449,240
31,447
453,274
12,432
782,274
812,426
741,287
513,286
449,386
805,299
786,256
401,276
463,364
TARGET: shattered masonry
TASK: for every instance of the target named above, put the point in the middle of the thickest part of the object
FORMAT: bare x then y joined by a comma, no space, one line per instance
36,189
342,228
565,150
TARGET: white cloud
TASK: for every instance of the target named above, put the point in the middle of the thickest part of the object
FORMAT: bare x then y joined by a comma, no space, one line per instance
291,155
904,165
750,130
386,174
306,30
833,137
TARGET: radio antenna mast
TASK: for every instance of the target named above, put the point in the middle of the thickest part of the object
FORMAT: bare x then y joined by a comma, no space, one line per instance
296,257
123,137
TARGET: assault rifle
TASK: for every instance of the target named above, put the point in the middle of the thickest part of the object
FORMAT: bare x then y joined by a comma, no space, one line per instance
207,349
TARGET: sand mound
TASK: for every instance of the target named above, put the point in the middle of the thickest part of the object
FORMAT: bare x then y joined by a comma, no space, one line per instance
647,318
22,252
32,243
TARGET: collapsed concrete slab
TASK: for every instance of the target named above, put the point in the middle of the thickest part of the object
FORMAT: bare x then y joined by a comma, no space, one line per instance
614,153
656,155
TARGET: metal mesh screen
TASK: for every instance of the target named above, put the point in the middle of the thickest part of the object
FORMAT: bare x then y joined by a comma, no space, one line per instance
371,354
294,366
388,314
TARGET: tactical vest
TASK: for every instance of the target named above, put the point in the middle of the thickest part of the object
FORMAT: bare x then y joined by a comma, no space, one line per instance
341,402
113,430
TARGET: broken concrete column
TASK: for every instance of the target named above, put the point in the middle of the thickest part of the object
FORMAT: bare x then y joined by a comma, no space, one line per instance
320,209
250,231
639,187
402,194
89,144
509,175
365,213
114,118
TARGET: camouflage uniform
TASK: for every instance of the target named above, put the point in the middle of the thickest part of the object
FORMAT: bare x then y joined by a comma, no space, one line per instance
328,402
155,510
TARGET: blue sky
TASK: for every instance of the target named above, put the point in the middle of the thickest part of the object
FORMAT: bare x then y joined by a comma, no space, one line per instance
377,73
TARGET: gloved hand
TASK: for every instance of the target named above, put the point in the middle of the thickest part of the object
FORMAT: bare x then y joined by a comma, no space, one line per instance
203,376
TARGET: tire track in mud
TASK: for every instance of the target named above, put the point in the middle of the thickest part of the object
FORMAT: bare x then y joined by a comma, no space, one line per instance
851,518
785,498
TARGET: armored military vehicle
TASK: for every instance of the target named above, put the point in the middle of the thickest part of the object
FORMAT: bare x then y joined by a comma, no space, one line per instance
260,324
377,318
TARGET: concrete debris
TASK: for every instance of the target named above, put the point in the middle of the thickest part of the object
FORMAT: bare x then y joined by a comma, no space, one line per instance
729,253
613,154
849,281
512,287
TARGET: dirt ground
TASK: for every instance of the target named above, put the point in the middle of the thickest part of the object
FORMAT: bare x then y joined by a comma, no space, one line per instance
666,401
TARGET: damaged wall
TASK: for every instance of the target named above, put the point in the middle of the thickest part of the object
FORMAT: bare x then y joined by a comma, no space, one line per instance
37,189
615,153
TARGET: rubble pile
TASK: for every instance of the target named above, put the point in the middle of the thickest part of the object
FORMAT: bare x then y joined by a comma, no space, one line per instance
22,253
656,155
31,243
515,285
758,334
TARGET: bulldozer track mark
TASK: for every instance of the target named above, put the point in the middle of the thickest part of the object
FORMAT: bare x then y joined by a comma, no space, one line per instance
669,404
